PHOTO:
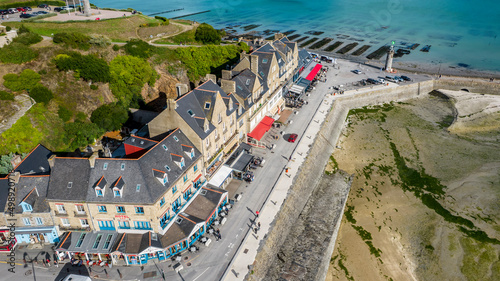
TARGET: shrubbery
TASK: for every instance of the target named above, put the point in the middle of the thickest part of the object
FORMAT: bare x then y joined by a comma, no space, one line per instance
164,20
128,75
6,95
89,67
75,40
138,48
116,48
28,38
64,113
206,34
109,117
99,40
208,59
80,134
41,94
17,53
94,87
27,79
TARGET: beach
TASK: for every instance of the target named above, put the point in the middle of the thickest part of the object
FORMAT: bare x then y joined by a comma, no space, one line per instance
387,232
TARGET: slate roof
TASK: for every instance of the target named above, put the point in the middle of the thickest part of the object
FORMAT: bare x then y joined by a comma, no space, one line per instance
36,163
127,173
205,202
32,190
195,102
181,229
4,191
135,243
65,170
265,59
304,58
244,89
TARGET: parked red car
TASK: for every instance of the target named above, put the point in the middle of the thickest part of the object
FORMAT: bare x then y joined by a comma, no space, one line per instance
20,9
292,138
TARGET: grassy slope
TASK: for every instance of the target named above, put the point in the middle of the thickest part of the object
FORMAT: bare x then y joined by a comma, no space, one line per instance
119,29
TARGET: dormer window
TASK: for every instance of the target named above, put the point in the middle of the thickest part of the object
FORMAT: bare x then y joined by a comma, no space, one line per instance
117,193
191,113
26,207
178,159
100,187
160,176
207,105
189,150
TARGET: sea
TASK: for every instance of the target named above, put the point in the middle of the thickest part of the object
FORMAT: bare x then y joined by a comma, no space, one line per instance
462,34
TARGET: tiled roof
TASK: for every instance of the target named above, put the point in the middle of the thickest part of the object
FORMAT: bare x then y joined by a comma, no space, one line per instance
32,190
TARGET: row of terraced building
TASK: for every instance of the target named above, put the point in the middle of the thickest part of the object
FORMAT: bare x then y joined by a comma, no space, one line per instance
150,199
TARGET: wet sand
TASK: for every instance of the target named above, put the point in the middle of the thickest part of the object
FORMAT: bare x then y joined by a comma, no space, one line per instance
388,233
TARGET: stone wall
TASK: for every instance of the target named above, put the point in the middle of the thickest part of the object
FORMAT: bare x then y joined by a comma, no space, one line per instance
308,178
309,175
471,85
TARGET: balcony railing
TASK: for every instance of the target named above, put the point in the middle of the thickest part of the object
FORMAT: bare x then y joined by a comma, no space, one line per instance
61,214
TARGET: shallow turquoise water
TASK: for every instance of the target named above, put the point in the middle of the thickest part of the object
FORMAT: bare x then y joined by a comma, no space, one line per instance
459,31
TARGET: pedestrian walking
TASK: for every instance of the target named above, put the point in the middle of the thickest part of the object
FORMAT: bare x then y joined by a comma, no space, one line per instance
220,236
258,225
257,212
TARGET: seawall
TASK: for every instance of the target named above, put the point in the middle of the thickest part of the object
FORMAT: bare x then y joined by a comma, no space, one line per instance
307,179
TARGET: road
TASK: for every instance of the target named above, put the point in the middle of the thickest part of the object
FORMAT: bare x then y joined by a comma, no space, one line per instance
211,263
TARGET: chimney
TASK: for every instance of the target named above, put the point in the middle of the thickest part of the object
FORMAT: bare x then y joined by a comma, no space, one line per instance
211,77
14,177
228,86
181,89
254,64
171,104
92,159
278,36
52,160
226,74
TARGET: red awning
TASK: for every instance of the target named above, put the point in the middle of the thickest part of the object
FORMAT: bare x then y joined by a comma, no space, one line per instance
261,128
313,72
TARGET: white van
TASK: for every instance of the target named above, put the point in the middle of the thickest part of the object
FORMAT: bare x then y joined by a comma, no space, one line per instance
76,277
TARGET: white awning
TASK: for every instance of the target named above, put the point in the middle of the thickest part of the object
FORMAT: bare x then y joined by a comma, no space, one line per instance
296,89
222,174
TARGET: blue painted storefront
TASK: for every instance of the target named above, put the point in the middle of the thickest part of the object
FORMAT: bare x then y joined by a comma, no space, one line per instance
37,234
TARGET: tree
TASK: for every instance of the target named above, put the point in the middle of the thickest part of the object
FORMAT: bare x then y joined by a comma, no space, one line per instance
80,134
6,95
109,117
41,94
5,165
27,79
206,34
128,75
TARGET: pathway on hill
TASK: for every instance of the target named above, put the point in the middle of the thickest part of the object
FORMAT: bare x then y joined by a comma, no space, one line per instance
25,103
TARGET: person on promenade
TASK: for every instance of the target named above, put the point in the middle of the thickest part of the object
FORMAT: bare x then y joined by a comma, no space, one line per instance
257,214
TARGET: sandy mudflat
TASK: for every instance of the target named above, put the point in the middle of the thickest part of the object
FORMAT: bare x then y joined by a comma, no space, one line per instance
388,233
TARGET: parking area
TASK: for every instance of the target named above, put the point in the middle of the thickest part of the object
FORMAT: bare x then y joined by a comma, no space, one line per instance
95,14
344,75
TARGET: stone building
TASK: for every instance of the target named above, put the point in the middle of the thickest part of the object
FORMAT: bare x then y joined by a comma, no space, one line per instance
208,116
138,194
